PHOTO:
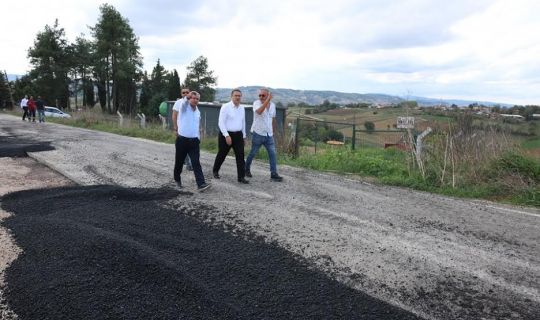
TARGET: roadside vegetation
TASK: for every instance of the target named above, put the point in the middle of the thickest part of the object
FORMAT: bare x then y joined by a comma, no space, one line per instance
459,159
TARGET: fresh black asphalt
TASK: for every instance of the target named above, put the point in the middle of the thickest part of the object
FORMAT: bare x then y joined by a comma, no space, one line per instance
106,252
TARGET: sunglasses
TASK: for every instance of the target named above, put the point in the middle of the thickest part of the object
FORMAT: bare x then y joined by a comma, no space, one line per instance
185,92
262,96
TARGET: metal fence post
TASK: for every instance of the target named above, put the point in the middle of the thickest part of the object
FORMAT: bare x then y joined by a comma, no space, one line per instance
353,143
296,141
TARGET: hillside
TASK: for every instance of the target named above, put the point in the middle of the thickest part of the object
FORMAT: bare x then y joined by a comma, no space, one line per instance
311,97
314,97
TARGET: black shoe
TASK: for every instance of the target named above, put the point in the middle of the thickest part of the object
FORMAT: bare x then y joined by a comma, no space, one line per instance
276,177
243,180
179,185
203,187
216,175
248,174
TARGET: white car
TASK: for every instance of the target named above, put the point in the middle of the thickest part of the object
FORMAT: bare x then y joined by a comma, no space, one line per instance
55,113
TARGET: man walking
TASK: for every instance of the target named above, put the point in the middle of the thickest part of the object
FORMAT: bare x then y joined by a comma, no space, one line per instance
24,106
262,129
232,127
40,104
186,118
187,162
31,109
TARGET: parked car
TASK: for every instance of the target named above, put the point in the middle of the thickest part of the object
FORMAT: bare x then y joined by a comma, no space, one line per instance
55,113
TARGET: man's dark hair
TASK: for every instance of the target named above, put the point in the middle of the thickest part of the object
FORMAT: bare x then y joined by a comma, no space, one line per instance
233,90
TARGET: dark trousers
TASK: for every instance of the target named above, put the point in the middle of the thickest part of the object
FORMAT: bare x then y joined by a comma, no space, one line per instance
184,147
32,114
25,114
223,150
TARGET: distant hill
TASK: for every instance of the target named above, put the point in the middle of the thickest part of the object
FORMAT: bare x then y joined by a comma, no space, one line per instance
434,102
314,97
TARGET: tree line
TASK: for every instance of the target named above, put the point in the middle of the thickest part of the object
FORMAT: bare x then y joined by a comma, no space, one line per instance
109,64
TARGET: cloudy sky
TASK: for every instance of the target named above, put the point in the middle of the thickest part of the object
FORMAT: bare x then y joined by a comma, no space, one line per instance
484,50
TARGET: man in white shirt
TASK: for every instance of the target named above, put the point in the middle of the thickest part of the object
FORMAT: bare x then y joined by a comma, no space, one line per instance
24,106
186,119
187,162
232,127
262,130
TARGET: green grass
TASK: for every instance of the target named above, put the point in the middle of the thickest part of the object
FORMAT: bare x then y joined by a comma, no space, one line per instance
531,144
387,166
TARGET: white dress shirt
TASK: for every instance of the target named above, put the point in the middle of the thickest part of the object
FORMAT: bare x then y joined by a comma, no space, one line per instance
232,118
24,102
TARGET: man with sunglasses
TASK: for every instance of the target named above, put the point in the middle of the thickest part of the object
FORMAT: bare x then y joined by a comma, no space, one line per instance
262,130
232,127
186,118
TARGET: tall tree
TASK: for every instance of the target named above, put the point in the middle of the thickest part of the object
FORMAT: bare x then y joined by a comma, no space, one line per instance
82,58
158,89
201,79
118,61
51,60
5,99
22,86
146,92
173,86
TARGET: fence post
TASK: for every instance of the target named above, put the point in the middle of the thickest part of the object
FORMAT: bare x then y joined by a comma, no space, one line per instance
120,119
353,144
296,141
163,121
143,119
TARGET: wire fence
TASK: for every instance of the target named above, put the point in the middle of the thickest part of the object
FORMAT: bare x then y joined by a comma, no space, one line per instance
309,136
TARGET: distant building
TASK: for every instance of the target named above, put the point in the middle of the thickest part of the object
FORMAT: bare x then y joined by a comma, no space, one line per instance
536,115
513,116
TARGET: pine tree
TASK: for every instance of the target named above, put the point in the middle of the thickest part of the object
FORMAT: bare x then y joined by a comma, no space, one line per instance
173,85
200,79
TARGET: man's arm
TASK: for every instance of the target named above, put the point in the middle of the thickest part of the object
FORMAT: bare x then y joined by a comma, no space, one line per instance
244,122
265,104
221,121
175,121
178,105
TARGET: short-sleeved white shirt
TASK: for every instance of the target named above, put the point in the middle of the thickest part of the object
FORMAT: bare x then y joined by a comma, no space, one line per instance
188,119
262,123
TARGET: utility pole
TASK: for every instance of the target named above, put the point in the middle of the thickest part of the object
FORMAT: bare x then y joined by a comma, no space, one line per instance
9,88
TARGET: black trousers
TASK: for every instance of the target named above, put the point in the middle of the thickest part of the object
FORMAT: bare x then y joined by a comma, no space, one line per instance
238,148
184,147
25,114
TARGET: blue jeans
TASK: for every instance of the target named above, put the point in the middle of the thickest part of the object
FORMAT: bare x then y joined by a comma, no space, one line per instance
41,114
268,142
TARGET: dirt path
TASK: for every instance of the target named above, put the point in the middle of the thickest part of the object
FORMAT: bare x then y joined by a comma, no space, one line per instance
438,257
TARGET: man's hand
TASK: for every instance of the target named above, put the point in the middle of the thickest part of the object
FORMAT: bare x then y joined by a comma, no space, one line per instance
228,140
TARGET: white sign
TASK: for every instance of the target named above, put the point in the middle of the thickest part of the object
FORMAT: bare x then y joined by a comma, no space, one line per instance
405,122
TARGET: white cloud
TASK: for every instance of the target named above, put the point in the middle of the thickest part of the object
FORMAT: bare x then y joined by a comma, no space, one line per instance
483,49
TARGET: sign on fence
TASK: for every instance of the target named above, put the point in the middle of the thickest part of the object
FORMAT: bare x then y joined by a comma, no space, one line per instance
405,122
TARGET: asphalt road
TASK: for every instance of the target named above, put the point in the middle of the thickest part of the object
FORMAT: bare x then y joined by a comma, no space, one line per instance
426,255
